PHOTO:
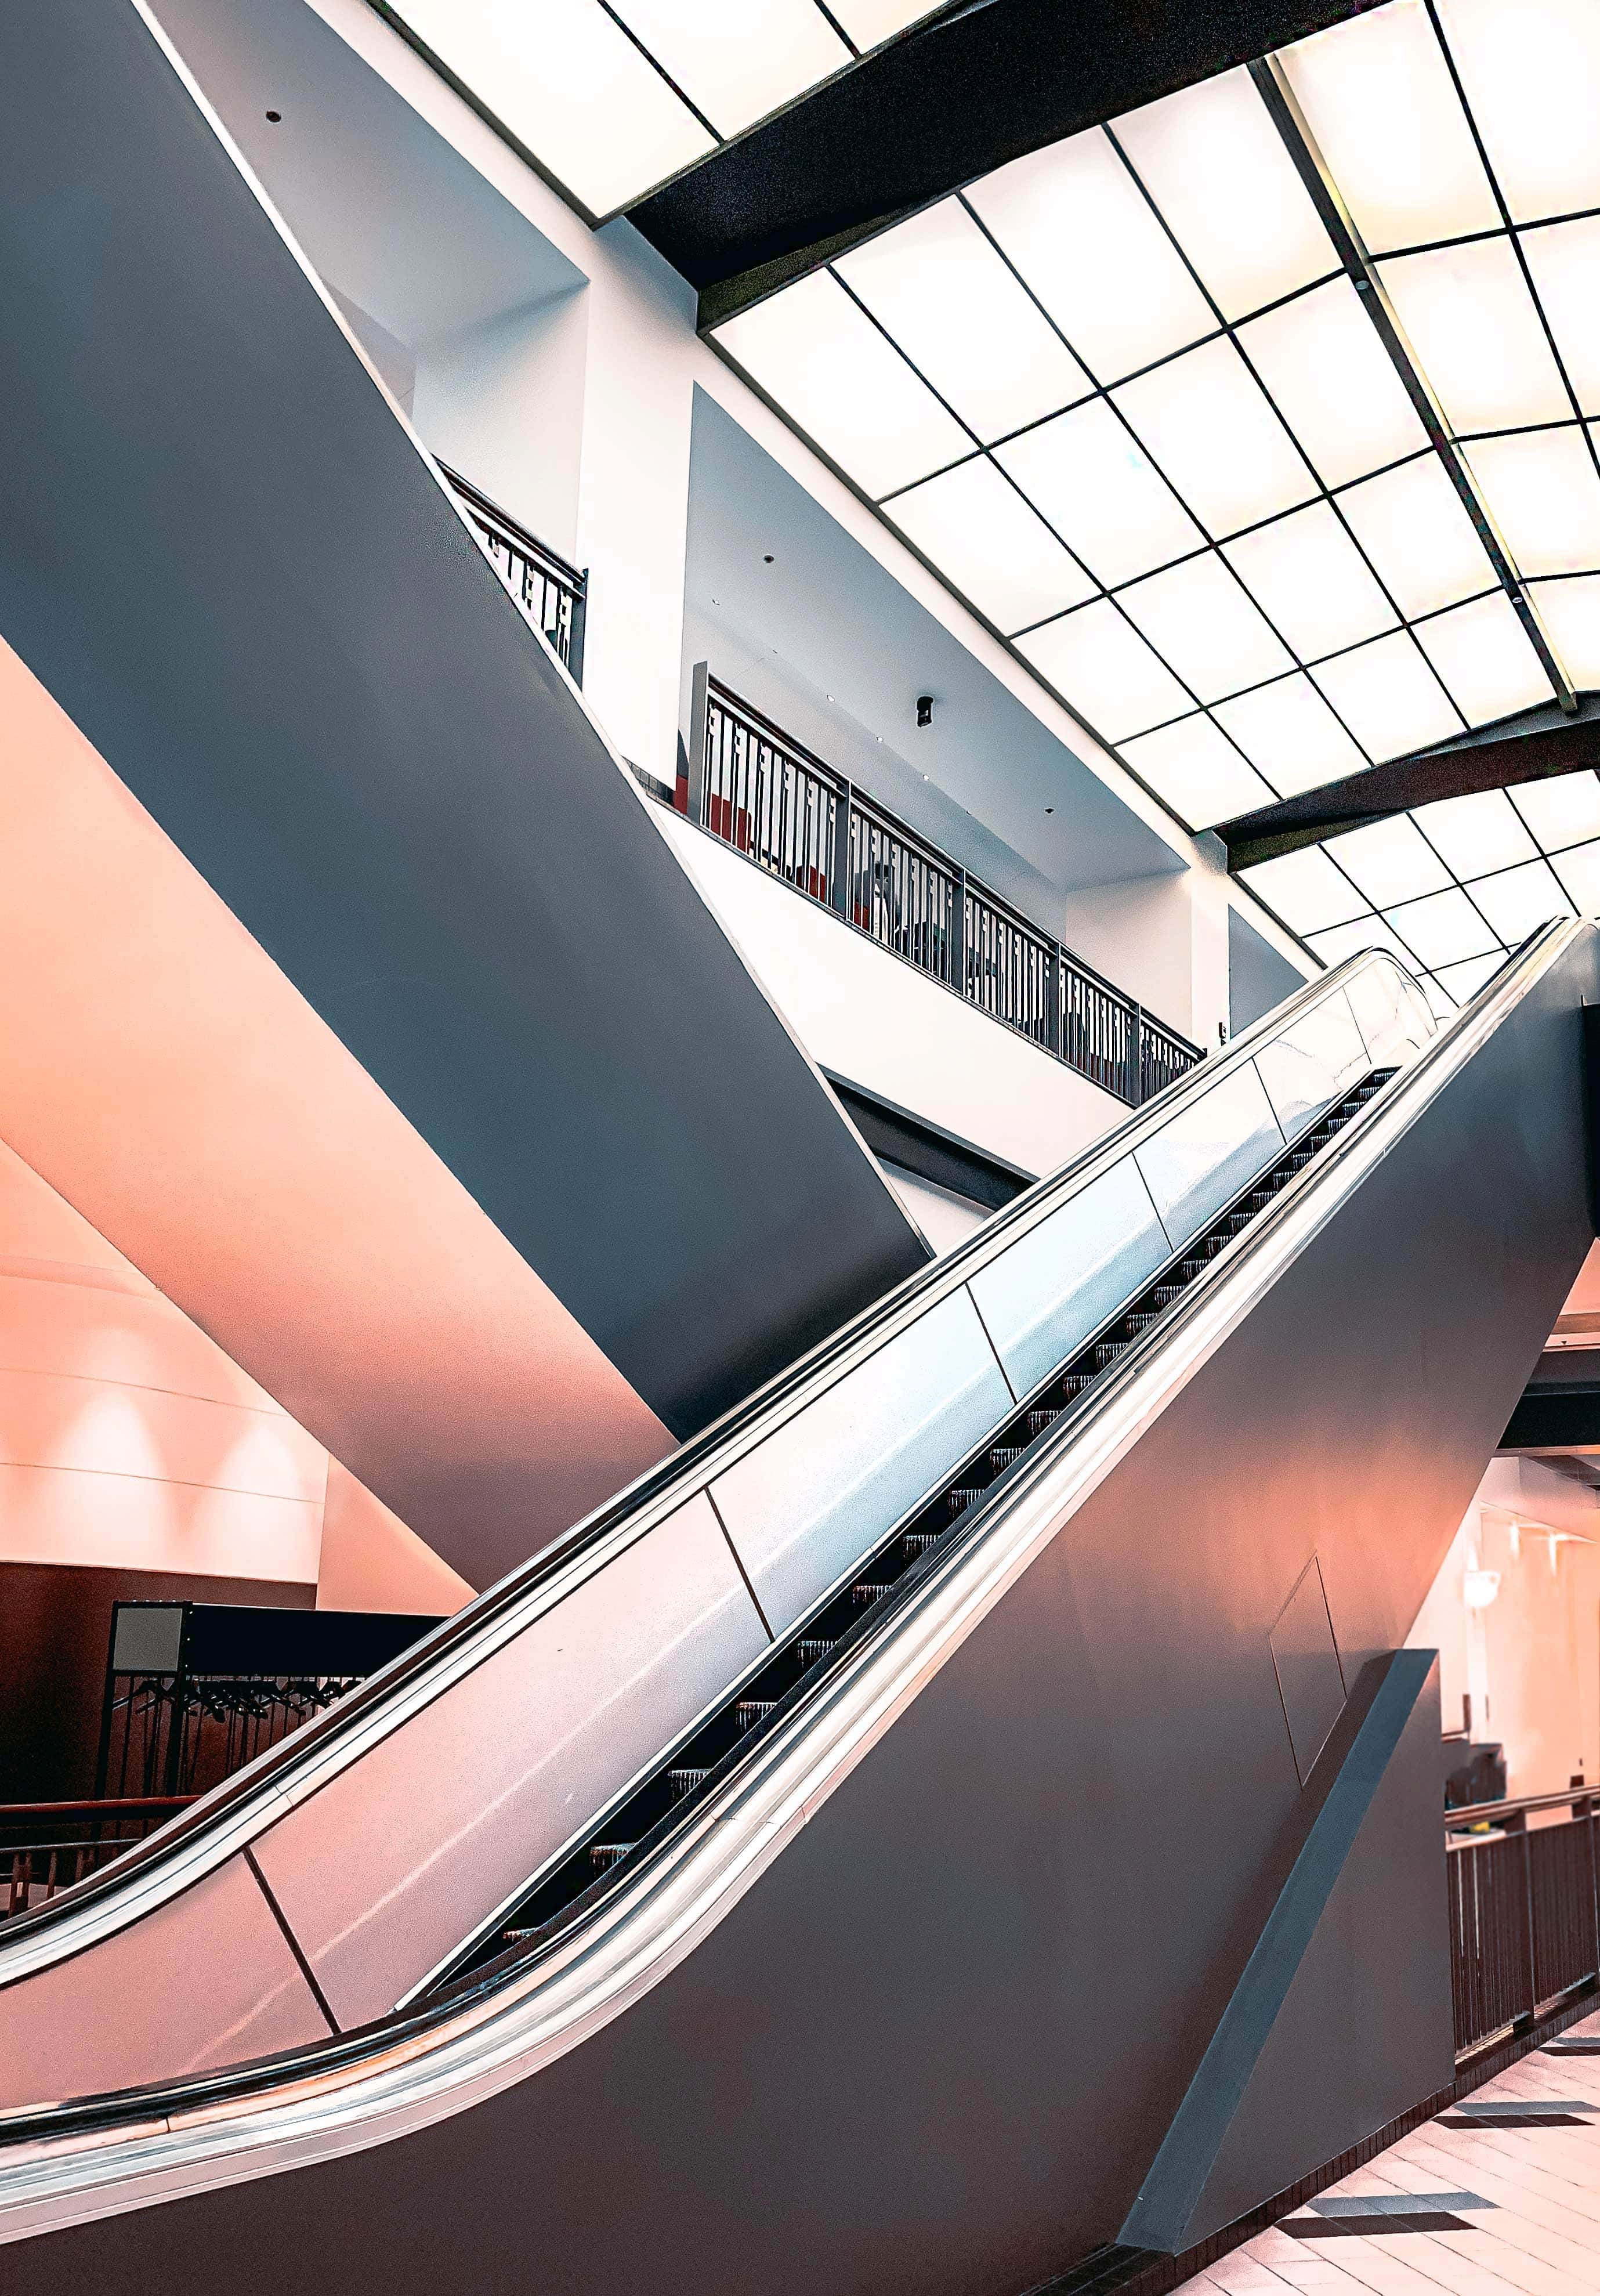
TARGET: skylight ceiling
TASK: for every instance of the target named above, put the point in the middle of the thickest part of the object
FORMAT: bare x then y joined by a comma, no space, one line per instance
612,97
1451,887
1266,499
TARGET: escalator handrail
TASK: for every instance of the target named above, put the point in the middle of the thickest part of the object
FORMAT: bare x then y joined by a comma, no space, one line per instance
404,2073
243,1806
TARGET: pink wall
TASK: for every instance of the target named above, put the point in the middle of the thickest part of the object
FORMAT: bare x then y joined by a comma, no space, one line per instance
163,1075
129,1441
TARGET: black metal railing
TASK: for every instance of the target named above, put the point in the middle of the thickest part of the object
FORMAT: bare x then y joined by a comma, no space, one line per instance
195,1690
552,593
769,799
1524,1913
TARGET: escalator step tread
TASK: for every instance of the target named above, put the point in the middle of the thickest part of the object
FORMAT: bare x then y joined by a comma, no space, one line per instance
920,1541
1166,1293
683,1782
1107,1352
868,1592
752,1711
813,1647
1005,1456
958,1501
1037,1421
605,1855
1142,1318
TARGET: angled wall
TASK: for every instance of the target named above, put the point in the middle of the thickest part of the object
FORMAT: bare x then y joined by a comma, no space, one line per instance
225,558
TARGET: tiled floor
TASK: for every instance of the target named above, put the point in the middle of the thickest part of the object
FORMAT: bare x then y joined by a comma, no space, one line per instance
1509,2204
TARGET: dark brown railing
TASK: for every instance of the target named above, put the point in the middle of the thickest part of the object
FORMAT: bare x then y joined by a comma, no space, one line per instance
1524,1912
769,799
46,1846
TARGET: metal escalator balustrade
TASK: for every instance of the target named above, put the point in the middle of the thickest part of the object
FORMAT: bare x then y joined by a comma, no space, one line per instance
690,1771
565,1684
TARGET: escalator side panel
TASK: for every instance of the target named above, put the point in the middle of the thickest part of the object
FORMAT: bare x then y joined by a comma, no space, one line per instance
76,2028
938,2041
385,1870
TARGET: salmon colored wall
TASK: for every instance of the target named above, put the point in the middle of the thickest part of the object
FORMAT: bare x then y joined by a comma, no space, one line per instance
159,1071
128,1441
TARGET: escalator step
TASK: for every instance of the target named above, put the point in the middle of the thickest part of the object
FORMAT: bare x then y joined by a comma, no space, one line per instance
1107,1352
958,1501
1166,1293
605,1855
1003,1457
1260,1198
811,1649
1142,1319
918,1541
867,1594
749,1711
683,1782
1037,1421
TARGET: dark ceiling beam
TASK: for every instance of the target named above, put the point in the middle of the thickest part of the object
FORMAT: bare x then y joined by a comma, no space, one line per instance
944,103
1532,749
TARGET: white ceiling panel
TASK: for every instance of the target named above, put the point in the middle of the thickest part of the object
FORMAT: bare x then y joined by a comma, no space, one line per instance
1102,664
1389,861
1560,811
1482,654
1081,232
1544,496
1216,166
1200,621
1210,427
1520,900
1290,734
1335,384
736,59
1312,581
1097,488
835,375
1531,72
1570,611
1353,939
1476,834
1388,697
1376,95
1444,929
972,524
1305,889
978,337
1198,772
571,86
1474,331
1564,258
1413,526
1463,981
1579,869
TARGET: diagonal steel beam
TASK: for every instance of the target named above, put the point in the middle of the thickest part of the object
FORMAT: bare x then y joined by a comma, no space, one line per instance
1273,85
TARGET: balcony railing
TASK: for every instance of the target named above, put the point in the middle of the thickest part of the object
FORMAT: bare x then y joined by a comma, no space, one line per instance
550,592
1524,1913
762,793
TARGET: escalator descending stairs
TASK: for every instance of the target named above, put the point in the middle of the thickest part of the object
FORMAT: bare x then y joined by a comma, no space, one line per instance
640,1820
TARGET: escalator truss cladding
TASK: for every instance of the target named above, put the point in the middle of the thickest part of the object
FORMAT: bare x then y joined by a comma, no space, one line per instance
824,1865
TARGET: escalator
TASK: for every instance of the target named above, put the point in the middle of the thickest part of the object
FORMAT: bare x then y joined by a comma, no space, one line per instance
826,1868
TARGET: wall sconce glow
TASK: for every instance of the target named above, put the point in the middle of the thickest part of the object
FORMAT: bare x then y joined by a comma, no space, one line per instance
1481,1588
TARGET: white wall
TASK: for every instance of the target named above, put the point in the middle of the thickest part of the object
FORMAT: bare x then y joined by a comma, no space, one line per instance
876,1020
502,402
1531,1661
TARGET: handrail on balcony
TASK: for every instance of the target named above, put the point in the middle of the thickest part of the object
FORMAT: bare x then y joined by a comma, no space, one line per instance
552,593
771,800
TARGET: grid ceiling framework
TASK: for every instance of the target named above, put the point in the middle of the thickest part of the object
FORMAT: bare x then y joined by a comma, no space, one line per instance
615,97
1260,422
